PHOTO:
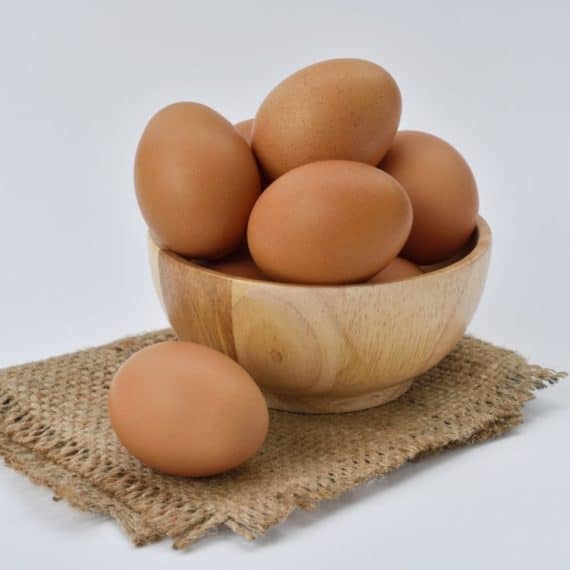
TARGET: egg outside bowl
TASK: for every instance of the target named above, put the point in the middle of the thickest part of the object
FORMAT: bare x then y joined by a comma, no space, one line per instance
321,349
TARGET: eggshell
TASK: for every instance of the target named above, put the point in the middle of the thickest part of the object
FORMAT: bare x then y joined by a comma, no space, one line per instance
196,180
443,192
245,129
397,270
185,409
336,109
329,222
241,265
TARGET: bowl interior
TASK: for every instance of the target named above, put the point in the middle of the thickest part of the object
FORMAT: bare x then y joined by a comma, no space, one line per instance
476,246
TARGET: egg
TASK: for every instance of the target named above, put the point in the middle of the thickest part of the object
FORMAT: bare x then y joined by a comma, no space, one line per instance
245,129
196,180
185,409
443,193
329,222
240,265
337,109
397,270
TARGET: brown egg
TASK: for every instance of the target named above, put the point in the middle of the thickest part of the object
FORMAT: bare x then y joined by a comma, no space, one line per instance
443,192
245,129
459,254
240,265
196,180
397,270
329,222
337,109
185,409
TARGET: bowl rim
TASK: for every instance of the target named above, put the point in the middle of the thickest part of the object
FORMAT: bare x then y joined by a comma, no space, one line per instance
480,248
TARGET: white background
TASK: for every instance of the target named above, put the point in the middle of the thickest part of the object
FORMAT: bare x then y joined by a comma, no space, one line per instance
79,79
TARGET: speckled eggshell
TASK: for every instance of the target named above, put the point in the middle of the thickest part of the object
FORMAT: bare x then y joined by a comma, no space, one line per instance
185,409
196,180
337,109
397,270
443,192
329,222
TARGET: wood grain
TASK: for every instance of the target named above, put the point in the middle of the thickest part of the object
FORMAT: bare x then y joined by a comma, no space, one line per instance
326,349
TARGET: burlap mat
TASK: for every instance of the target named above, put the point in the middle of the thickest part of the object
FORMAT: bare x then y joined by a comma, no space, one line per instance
54,428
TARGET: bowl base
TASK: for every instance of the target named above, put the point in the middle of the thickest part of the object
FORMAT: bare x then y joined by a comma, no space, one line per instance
335,405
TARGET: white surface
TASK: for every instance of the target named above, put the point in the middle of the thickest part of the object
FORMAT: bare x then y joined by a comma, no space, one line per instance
78,82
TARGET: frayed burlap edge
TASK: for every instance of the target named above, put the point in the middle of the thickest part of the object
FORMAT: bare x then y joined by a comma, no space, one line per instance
80,493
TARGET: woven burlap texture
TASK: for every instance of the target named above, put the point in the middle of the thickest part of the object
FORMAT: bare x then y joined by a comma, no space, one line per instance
54,428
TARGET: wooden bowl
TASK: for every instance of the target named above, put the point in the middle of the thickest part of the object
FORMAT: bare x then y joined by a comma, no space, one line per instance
325,348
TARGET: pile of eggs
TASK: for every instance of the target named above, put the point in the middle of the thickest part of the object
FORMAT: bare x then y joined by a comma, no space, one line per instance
320,188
